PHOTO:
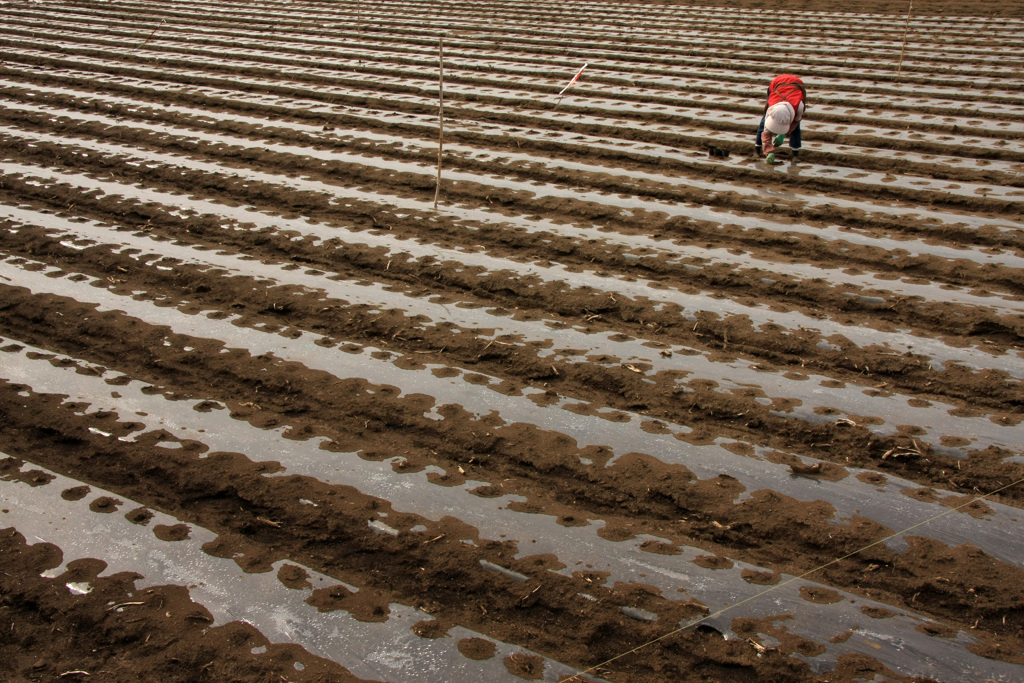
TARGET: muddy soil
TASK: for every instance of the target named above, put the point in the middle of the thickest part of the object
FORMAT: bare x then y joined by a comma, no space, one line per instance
616,317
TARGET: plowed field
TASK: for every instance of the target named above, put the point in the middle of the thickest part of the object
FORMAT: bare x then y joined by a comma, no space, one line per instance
626,403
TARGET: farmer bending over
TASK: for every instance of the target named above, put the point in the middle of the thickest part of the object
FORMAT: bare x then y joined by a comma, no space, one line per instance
782,115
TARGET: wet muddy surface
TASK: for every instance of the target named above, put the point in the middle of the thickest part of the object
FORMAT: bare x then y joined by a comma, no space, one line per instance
619,408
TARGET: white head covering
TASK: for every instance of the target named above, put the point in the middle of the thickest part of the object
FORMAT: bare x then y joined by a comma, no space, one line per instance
779,117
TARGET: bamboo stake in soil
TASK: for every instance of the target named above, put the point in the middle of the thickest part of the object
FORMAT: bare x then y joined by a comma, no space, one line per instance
906,29
440,118
149,37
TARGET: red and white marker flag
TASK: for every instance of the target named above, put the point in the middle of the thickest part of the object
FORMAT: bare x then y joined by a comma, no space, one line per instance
574,79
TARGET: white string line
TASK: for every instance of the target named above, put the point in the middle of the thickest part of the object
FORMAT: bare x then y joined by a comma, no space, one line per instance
791,580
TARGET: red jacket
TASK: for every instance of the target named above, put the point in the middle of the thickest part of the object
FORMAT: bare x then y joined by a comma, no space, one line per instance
787,88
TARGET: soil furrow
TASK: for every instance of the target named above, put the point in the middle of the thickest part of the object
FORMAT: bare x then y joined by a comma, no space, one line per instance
590,377
385,24
695,502
950,124
491,109
321,48
728,331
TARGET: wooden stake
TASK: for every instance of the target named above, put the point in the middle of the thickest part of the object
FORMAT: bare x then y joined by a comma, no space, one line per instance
149,37
440,118
906,29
